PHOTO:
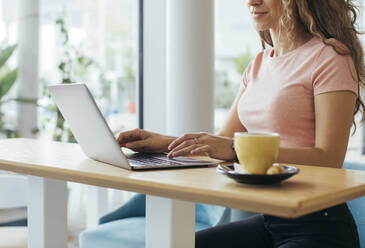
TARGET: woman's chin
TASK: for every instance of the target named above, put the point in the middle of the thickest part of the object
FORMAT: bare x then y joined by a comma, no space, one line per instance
262,27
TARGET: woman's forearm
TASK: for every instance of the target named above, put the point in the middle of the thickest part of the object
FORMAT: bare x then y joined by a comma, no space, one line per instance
311,156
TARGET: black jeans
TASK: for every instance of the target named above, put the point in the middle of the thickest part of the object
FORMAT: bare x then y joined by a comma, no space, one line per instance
330,228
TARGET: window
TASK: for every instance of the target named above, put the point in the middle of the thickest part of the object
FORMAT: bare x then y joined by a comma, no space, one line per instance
90,41
95,42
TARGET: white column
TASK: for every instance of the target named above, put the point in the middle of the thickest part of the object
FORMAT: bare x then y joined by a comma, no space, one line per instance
190,66
169,223
154,64
47,213
28,47
97,204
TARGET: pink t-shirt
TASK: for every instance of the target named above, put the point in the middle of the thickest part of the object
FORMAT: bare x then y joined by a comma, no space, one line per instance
279,91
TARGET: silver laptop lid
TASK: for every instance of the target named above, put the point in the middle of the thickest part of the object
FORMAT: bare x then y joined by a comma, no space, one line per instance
87,123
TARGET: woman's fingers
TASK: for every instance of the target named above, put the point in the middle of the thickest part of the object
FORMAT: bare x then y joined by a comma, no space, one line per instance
185,137
183,145
179,140
202,150
182,151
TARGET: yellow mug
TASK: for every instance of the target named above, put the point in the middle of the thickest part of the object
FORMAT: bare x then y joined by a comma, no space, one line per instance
256,152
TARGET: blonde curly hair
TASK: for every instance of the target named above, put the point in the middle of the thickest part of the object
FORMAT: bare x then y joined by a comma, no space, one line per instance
326,19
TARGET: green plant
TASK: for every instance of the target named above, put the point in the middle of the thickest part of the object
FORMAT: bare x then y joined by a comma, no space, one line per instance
73,66
242,62
224,91
7,79
128,79
76,66
225,86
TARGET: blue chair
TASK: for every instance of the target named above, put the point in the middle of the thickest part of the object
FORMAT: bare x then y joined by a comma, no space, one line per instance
357,206
125,227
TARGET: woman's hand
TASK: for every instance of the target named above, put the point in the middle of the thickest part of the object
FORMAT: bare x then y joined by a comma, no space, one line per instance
217,147
140,140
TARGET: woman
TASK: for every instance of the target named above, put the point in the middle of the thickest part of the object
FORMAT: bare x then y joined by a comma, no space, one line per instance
305,87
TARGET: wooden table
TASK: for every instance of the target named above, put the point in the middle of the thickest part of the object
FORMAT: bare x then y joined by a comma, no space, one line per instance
171,193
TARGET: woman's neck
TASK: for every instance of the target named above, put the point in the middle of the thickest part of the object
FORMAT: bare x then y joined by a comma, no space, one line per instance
283,45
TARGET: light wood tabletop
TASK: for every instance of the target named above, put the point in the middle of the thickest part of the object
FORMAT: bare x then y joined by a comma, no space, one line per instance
314,188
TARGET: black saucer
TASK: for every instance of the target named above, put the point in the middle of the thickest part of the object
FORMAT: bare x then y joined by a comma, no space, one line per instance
248,178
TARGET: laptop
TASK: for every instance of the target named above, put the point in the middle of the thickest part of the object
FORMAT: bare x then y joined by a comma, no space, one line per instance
97,141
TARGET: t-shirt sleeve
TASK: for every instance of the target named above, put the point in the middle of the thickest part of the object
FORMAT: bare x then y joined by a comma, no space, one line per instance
334,72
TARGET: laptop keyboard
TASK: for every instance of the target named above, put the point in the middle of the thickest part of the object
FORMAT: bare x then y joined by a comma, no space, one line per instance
146,159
